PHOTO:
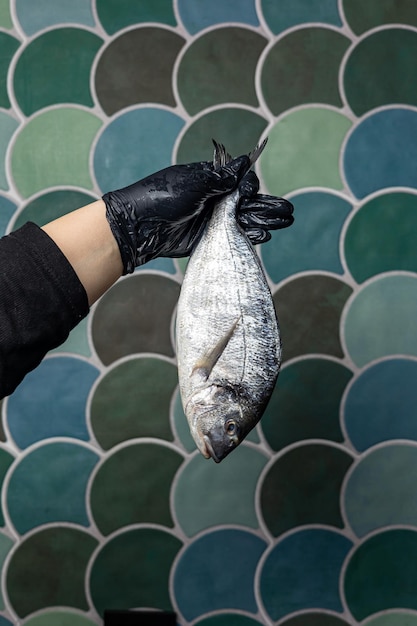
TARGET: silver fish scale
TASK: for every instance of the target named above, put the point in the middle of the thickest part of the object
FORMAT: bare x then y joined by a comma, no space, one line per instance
224,285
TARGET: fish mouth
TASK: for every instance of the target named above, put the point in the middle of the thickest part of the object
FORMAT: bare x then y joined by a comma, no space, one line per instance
209,449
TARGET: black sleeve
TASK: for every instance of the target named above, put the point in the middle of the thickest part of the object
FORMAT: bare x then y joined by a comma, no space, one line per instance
41,300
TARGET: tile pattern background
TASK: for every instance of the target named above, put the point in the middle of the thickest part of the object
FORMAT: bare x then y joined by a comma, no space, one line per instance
105,502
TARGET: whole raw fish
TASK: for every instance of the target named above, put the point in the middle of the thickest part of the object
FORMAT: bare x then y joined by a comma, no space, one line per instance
228,340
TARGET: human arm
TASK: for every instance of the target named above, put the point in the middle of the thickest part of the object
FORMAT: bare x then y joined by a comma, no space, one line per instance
85,238
49,277
41,300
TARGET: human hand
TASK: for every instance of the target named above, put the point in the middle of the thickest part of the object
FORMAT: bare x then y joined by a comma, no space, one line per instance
165,213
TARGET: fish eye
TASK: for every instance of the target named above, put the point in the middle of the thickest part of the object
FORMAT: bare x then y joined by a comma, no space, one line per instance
231,428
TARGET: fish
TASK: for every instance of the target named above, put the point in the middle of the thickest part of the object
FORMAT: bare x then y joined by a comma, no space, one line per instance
228,342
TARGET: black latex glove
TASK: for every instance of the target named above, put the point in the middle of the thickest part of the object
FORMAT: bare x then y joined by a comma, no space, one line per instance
260,213
165,213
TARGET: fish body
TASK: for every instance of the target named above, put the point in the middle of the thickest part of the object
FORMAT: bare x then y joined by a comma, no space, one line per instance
228,340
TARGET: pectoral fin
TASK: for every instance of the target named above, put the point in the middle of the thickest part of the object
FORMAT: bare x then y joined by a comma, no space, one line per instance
205,365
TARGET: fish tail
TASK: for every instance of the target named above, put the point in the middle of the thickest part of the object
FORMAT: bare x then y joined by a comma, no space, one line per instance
221,156
256,152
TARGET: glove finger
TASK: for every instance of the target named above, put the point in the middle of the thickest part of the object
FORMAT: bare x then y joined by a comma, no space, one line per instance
205,165
258,235
212,182
249,185
265,212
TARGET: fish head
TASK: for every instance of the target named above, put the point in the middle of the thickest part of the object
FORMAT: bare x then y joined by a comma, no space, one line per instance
219,420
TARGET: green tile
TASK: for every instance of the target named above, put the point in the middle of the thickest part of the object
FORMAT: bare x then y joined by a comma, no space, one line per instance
118,495
380,490
229,57
293,72
303,487
49,485
59,618
201,501
237,128
315,619
379,237
5,17
309,310
286,14
6,544
305,403
303,150
380,70
381,573
380,320
115,15
136,67
363,16
135,316
65,55
133,400
8,45
53,150
315,234
394,618
8,125
39,15
48,569
143,559
6,459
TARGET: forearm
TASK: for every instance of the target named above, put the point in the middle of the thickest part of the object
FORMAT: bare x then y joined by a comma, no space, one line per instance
85,238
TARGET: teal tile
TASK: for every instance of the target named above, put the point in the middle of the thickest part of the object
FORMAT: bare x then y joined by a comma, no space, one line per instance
387,563
45,13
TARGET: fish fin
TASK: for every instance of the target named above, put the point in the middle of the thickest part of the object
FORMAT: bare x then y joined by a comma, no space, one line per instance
256,152
205,365
221,156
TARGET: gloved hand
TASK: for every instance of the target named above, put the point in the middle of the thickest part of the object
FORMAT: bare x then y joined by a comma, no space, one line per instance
260,213
165,213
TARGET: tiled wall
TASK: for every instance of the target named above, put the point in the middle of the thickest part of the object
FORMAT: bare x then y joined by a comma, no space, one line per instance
105,502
